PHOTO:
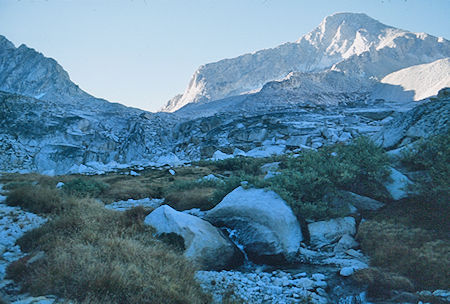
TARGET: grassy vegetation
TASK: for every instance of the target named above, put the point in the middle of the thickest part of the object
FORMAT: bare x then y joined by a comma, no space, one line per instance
83,187
188,194
411,238
37,199
303,181
381,283
411,252
94,255
408,242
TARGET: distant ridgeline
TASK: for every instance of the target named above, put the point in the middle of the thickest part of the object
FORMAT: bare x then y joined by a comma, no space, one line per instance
350,76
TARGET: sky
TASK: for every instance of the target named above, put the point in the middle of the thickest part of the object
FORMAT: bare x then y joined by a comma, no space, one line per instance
141,53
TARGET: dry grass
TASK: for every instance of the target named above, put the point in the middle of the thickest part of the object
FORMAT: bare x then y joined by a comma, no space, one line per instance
94,255
380,283
191,198
12,179
36,199
411,252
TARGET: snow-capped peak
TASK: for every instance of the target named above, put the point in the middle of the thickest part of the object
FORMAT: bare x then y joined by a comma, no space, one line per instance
352,43
346,34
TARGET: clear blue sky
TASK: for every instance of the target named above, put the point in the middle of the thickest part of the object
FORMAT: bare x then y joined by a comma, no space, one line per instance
143,52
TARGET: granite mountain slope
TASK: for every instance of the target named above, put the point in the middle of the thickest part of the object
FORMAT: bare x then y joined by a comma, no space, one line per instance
49,125
354,44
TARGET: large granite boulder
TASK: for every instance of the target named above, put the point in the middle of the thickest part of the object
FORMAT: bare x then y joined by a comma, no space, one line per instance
347,199
263,223
398,185
324,233
205,244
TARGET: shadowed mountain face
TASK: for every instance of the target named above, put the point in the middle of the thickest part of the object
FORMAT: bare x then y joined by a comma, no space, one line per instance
320,90
351,43
27,72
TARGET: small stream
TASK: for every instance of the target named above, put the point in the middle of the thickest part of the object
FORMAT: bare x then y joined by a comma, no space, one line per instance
292,283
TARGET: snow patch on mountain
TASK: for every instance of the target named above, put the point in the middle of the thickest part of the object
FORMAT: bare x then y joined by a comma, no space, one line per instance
417,82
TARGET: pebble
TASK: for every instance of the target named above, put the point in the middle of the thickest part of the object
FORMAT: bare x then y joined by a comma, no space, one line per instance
275,287
347,271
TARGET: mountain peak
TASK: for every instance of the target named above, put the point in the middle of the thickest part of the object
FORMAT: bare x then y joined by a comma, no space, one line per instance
5,43
346,34
353,43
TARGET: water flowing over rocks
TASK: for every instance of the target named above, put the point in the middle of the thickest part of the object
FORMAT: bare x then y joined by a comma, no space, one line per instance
205,244
265,225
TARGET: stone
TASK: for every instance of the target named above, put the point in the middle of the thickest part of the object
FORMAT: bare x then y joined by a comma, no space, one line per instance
342,199
205,244
421,121
324,233
134,173
265,225
441,293
347,271
270,167
297,141
318,277
346,242
305,283
59,185
37,300
398,186
219,155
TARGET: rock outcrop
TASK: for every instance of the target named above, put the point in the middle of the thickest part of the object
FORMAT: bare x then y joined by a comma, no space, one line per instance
398,185
204,244
324,233
420,122
264,224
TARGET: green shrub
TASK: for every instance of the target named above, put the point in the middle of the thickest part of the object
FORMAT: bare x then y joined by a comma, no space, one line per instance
36,199
247,165
83,187
15,185
359,167
432,156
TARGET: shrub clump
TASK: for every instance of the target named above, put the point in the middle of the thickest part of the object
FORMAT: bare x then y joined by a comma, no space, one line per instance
36,199
84,187
360,167
411,252
240,165
432,157
380,283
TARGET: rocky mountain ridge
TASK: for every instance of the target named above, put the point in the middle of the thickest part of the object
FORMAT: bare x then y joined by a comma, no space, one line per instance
354,44
49,125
